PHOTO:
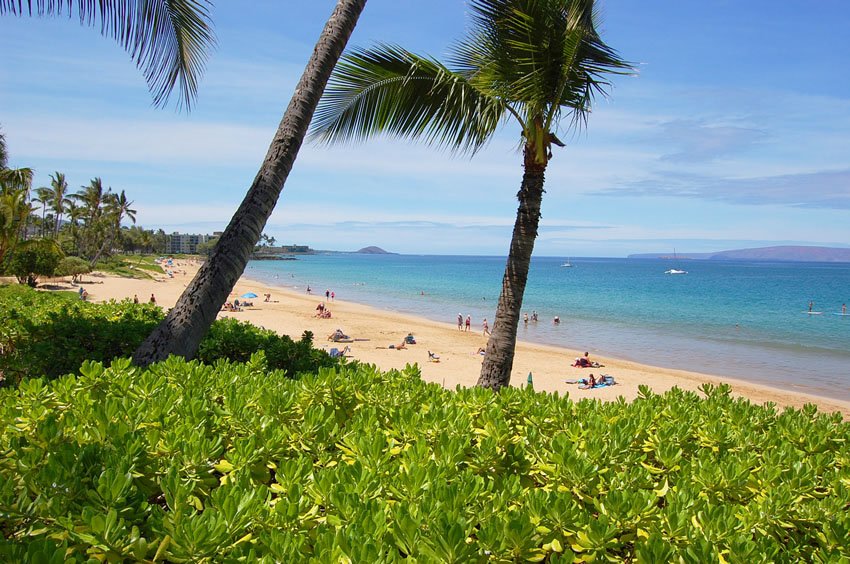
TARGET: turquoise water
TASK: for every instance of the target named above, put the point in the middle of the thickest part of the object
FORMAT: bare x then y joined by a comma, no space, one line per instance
740,319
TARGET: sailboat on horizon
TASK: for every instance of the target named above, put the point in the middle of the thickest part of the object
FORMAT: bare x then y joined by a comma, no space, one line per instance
675,270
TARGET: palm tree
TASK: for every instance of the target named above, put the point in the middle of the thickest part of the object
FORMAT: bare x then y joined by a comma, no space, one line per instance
189,320
95,227
58,199
12,179
43,197
15,209
4,154
91,198
116,208
14,213
168,39
535,62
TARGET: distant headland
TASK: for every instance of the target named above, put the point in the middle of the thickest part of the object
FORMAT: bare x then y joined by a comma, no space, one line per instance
780,253
373,251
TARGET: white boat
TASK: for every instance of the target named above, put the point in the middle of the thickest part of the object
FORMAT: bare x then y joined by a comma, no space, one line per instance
675,270
567,264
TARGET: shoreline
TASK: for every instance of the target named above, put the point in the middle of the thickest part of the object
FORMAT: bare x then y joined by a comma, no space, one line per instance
372,330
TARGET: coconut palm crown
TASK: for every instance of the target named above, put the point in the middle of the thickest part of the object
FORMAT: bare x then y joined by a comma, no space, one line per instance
539,63
168,39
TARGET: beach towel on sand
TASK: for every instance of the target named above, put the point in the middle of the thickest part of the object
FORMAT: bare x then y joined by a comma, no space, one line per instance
604,381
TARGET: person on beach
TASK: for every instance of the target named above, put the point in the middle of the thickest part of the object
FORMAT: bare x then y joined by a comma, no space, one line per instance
557,320
534,316
135,298
468,322
460,322
583,361
333,295
309,289
153,299
525,318
327,295
485,326
268,297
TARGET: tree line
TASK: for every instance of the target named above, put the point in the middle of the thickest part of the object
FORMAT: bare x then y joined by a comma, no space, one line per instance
53,225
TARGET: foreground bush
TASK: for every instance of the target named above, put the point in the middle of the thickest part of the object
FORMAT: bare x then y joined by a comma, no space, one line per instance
52,333
185,462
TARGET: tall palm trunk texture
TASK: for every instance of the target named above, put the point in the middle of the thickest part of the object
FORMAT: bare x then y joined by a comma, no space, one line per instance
499,355
181,331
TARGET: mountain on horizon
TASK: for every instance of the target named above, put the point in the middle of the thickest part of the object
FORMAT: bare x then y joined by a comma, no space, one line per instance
798,253
373,251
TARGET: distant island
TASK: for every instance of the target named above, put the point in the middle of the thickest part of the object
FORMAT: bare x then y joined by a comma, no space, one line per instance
373,251
780,253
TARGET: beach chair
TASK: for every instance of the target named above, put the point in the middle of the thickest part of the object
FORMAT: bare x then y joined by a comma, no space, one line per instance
433,357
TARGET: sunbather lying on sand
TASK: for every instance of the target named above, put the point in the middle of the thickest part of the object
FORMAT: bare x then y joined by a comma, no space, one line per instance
338,336
593,382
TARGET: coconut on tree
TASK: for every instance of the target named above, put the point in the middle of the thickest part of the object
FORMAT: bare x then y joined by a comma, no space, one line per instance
536,63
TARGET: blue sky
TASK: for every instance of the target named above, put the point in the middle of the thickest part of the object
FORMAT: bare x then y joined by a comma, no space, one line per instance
735,133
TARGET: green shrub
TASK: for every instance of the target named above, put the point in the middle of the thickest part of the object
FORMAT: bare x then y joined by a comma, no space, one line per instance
74,267
236,340
51,334
35,258
185,462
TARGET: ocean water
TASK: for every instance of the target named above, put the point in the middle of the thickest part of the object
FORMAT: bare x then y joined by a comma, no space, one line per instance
740,319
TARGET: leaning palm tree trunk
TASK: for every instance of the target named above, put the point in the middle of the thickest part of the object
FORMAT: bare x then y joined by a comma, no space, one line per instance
499,356
186,324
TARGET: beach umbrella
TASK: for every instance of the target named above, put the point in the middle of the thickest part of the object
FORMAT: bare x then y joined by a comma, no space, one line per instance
249,295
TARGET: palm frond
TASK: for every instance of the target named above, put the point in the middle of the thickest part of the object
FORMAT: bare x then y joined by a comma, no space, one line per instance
16,179
387,89
545,55
167,39
4,155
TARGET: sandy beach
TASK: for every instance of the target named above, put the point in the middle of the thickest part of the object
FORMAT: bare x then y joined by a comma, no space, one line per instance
373,330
